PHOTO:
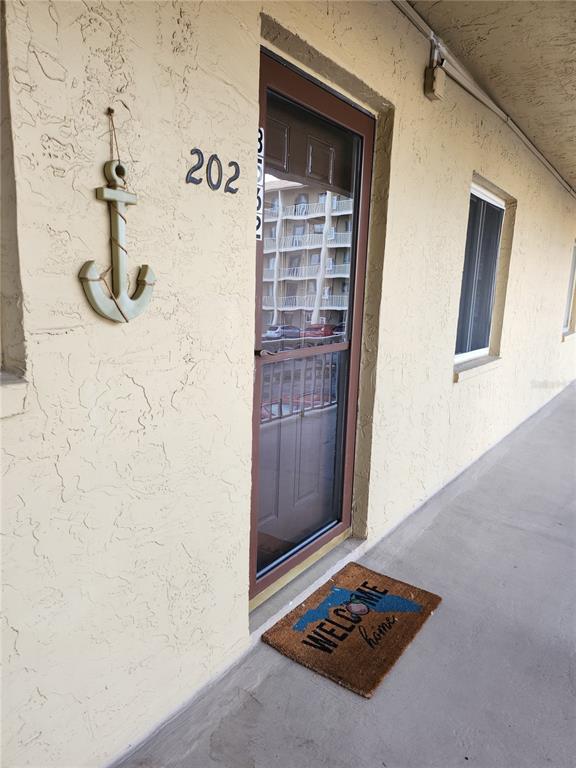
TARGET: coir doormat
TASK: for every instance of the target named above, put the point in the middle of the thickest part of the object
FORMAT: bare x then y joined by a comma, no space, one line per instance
354,628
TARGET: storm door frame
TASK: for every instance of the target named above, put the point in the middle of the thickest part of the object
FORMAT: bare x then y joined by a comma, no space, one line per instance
299,87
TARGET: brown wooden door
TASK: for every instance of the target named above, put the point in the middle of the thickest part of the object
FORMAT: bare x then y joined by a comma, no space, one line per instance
310,286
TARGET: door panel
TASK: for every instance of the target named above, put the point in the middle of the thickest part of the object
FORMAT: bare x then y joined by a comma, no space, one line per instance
310,273
301,442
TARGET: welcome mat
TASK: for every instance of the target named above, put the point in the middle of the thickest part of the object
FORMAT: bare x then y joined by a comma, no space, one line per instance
354,628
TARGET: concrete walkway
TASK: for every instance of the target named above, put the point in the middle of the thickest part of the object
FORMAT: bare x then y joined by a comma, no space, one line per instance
489,682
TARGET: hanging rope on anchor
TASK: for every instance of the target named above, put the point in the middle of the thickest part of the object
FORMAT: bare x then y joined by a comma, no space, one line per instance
114,143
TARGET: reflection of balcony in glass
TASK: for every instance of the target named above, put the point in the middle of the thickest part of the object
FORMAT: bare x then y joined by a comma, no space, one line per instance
340,239
293,302
306,272
300,241
314,210
342,206
292,242
299,273
307,246
338,270
303,210
306,301
335,301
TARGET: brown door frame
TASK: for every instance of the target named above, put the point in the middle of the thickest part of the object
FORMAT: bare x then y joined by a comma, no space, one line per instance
285,80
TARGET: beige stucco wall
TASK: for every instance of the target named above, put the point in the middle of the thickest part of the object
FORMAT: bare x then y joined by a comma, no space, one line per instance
127,475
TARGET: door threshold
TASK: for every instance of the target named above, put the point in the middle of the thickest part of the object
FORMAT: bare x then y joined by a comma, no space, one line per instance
295,586
282,581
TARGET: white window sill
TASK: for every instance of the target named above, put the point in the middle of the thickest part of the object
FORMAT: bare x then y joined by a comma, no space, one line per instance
13,390
567,335
475,367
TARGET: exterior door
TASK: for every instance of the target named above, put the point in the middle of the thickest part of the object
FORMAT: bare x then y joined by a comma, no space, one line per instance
310,285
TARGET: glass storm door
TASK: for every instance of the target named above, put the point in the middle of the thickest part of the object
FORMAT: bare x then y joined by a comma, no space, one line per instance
310,283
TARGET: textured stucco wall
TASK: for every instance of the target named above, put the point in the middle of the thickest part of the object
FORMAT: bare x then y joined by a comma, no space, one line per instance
127,477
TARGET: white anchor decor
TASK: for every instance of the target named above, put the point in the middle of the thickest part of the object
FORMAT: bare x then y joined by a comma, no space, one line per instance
115,303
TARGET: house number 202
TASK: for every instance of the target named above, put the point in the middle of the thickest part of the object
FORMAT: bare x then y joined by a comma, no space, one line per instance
214,172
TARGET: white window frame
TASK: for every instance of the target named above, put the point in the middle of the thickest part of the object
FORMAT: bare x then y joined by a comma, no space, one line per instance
474,354
568,322
489,197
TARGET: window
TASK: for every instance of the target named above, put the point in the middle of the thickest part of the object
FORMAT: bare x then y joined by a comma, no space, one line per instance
272,206
479,276
568,325
300,204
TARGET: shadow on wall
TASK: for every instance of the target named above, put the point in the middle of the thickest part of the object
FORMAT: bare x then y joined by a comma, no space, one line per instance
12,332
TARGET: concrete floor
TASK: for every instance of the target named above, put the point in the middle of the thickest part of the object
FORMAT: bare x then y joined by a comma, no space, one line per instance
490,679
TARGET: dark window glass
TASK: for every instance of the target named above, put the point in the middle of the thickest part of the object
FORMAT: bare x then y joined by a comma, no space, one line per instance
479,276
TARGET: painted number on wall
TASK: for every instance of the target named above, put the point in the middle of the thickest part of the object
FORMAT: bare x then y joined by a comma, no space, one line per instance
213,171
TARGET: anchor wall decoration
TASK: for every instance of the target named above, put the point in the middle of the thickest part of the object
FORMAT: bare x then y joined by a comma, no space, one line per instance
115,303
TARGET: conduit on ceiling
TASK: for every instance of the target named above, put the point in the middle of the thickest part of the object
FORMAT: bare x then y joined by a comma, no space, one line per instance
444,59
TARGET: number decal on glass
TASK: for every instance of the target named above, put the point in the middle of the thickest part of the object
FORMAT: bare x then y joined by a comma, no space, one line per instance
259,183
214,172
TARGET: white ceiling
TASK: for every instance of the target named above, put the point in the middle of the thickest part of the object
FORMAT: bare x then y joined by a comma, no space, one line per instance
523,53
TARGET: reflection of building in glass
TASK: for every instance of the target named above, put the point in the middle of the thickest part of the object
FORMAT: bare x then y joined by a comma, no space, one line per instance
307,254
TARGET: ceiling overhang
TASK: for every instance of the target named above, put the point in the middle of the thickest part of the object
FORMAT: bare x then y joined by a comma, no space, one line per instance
522,54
